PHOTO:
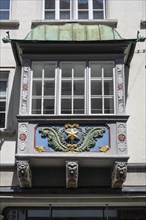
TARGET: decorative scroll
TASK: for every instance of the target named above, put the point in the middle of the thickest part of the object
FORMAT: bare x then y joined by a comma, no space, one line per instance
121,138
24,174
120,89
119,174
22,136
72,174
25,89
72,138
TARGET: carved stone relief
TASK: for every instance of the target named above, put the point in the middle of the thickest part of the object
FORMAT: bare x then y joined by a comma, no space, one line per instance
24,174
25,89
72,174
119,174
120,89
121,138
22,137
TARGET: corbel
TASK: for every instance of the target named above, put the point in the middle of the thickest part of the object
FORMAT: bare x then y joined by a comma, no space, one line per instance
24,174
119,174
71,174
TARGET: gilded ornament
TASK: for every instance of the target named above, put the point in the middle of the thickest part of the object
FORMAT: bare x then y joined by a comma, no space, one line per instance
40,148
104,148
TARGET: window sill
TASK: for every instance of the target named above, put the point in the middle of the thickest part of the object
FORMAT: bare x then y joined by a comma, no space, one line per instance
7,133
110,22
9,24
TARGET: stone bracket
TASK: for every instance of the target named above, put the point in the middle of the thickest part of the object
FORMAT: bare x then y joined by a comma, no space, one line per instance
24,174
71,174
119,174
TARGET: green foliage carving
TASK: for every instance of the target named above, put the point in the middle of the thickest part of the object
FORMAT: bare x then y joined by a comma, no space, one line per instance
91,136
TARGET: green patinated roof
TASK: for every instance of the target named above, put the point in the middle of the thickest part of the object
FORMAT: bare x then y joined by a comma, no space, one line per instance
73,32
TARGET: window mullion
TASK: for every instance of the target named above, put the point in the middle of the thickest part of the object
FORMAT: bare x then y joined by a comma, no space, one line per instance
102,90
30,101
58,96
42,99
88,90
57,9
114,93
90,9
72,93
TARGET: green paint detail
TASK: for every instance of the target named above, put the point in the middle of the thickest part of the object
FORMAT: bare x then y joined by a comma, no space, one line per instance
53,139
73,32
91,136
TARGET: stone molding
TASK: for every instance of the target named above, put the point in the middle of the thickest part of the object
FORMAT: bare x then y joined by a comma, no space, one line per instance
121,138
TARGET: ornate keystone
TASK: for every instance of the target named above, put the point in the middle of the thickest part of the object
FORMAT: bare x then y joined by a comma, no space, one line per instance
72,174
119,174
24,174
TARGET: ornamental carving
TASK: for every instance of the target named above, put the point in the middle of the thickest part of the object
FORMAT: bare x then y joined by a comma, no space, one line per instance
121,138
120,89
72,138
119,174
24,89
22,136
71,174
24,174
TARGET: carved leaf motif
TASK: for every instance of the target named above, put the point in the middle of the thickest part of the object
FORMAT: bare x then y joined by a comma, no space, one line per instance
92,134
53,139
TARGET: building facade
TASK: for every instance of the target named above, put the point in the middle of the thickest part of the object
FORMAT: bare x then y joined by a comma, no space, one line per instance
72,109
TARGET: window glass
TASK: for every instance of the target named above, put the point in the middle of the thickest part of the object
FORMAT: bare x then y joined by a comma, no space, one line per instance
4,9
66,88
74,9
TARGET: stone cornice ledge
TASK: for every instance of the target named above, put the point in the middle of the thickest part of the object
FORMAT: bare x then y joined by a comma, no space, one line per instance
9,24
109,22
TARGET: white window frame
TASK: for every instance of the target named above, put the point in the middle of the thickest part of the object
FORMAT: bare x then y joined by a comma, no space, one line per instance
5,79
74,10
7,10
87,88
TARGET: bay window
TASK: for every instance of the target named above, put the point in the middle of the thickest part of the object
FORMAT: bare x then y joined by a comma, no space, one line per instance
72,88
74,9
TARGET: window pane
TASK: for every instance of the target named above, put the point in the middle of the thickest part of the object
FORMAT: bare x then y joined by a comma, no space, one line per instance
49,4
79,70
50,15
49,70
108,87
98,15
4,15
98,4
82,4
66,69
4,4
49,88
66,106
96,87
37,70
108,70
96,70
83,15
96,106
79,87
2,106
48,106
64,4
3,85
36,106
65,15
78,106
37,88
108,105
2,120
66,87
